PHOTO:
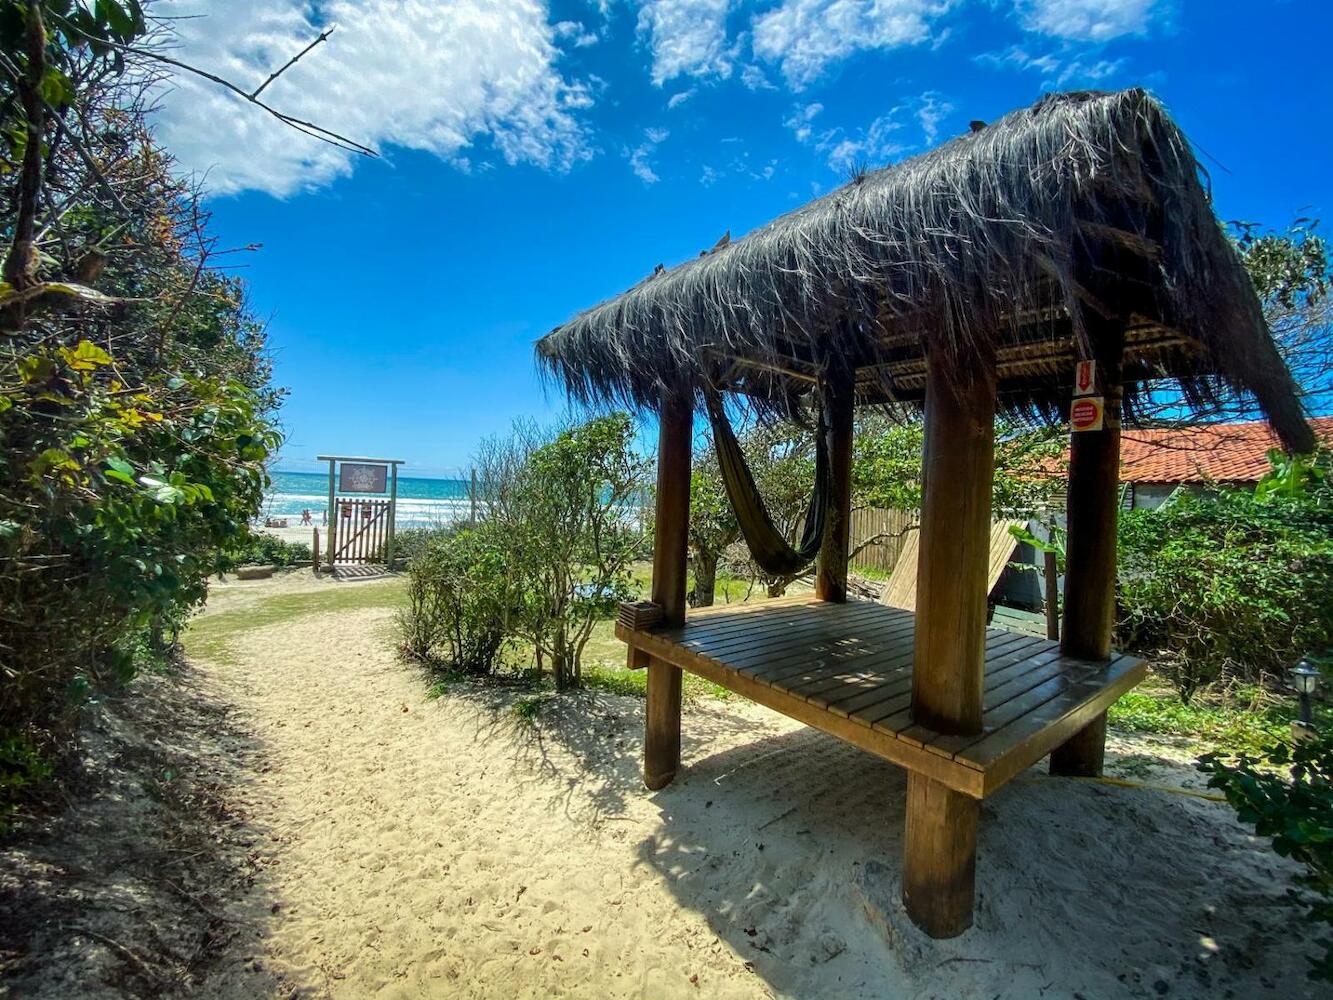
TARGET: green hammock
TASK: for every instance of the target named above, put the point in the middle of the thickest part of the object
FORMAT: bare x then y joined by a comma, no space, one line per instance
770,549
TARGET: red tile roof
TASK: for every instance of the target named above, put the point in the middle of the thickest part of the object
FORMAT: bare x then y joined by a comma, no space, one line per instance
1223,453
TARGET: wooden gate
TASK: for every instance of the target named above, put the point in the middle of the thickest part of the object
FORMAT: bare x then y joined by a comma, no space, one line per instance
362,530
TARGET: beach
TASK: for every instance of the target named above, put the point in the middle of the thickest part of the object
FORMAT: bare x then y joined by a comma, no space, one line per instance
404,843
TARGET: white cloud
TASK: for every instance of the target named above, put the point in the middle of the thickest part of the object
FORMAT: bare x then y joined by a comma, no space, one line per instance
1089,20
410,73
883,139
676,100
709,176
805,36
1055,71
687,37
931,110
639,156
576,33
800,121
873,145
754,79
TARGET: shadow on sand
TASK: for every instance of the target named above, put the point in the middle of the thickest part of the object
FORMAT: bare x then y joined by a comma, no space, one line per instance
781,837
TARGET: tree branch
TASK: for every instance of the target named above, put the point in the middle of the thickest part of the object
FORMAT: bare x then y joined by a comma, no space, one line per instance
291,62
299,124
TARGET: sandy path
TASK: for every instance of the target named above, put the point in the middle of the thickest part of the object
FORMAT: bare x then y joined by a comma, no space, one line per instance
422,848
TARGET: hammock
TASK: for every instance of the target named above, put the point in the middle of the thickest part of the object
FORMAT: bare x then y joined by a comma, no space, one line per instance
770,549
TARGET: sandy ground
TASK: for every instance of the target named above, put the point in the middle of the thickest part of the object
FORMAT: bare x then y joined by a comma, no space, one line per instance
402,846
296,531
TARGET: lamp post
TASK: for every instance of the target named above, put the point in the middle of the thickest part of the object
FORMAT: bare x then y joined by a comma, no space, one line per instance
1305,679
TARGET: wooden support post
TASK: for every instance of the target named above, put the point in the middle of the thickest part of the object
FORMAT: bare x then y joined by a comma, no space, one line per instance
1051,576
393,516
958,467
939,856
1093,508
831,574
661,746
940,839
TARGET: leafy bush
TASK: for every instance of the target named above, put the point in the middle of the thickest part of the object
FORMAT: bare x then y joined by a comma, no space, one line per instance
1286,794
135,406
456,608
558,509
408,543
1230,585
261,549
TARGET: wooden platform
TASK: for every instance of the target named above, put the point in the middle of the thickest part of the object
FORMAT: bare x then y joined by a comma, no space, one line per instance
847,669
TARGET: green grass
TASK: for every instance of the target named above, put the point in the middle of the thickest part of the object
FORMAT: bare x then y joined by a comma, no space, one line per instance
209,636
1246,720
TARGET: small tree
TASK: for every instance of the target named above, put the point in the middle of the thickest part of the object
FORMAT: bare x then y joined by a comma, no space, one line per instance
713,525
561,511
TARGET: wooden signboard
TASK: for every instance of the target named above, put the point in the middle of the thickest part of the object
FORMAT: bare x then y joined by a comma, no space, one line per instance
358,477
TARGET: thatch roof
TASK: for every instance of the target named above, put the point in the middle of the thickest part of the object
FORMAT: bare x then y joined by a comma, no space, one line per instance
1024,240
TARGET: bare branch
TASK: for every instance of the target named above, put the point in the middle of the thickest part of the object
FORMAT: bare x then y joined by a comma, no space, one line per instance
291,62
299,124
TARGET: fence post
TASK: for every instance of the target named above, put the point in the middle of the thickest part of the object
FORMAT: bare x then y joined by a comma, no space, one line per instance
393,515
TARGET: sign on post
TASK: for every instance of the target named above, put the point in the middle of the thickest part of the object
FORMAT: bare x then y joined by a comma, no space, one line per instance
1087,414
1085,378
358,477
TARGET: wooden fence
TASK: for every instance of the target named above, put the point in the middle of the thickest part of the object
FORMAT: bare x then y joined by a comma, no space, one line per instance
895,525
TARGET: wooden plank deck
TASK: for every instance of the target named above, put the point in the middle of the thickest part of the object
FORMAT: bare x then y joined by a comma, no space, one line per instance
847,669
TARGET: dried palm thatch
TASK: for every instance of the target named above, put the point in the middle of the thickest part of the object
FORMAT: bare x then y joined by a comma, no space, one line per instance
1022,244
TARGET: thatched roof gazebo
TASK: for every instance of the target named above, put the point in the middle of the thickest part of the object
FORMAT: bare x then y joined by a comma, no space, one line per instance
968,281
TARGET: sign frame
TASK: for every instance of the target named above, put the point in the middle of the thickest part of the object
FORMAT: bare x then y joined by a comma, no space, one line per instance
363,477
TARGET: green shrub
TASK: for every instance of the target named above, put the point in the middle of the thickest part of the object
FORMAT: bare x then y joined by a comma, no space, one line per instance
1230,585
558,508
262,549
455,613
409,543
1286,794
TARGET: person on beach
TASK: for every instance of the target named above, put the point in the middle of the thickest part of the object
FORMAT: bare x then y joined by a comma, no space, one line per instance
306,518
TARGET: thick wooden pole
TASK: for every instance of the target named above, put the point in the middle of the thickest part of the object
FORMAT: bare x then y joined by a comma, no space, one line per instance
661,746
1093,509
940,836
939,857
831,575
954,550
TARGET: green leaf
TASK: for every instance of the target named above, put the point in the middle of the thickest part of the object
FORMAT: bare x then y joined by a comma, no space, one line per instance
35,368
86,357
120,470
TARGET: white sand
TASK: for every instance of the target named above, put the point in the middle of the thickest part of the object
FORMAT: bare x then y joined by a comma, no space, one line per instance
297,532
418,848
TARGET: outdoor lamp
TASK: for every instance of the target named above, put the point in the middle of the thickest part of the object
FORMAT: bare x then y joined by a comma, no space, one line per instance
1305,679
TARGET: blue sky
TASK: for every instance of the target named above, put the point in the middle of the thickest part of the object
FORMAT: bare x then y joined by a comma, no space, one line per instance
536,159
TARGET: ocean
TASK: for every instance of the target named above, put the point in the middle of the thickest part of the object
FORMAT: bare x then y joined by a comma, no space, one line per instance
421,502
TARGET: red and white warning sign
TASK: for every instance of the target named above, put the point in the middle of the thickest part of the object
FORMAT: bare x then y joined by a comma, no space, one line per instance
1086,414
1085,378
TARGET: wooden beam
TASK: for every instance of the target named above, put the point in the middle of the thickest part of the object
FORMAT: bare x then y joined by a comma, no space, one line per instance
1092,511
940,842
831,574
954,548
661,745
939,857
